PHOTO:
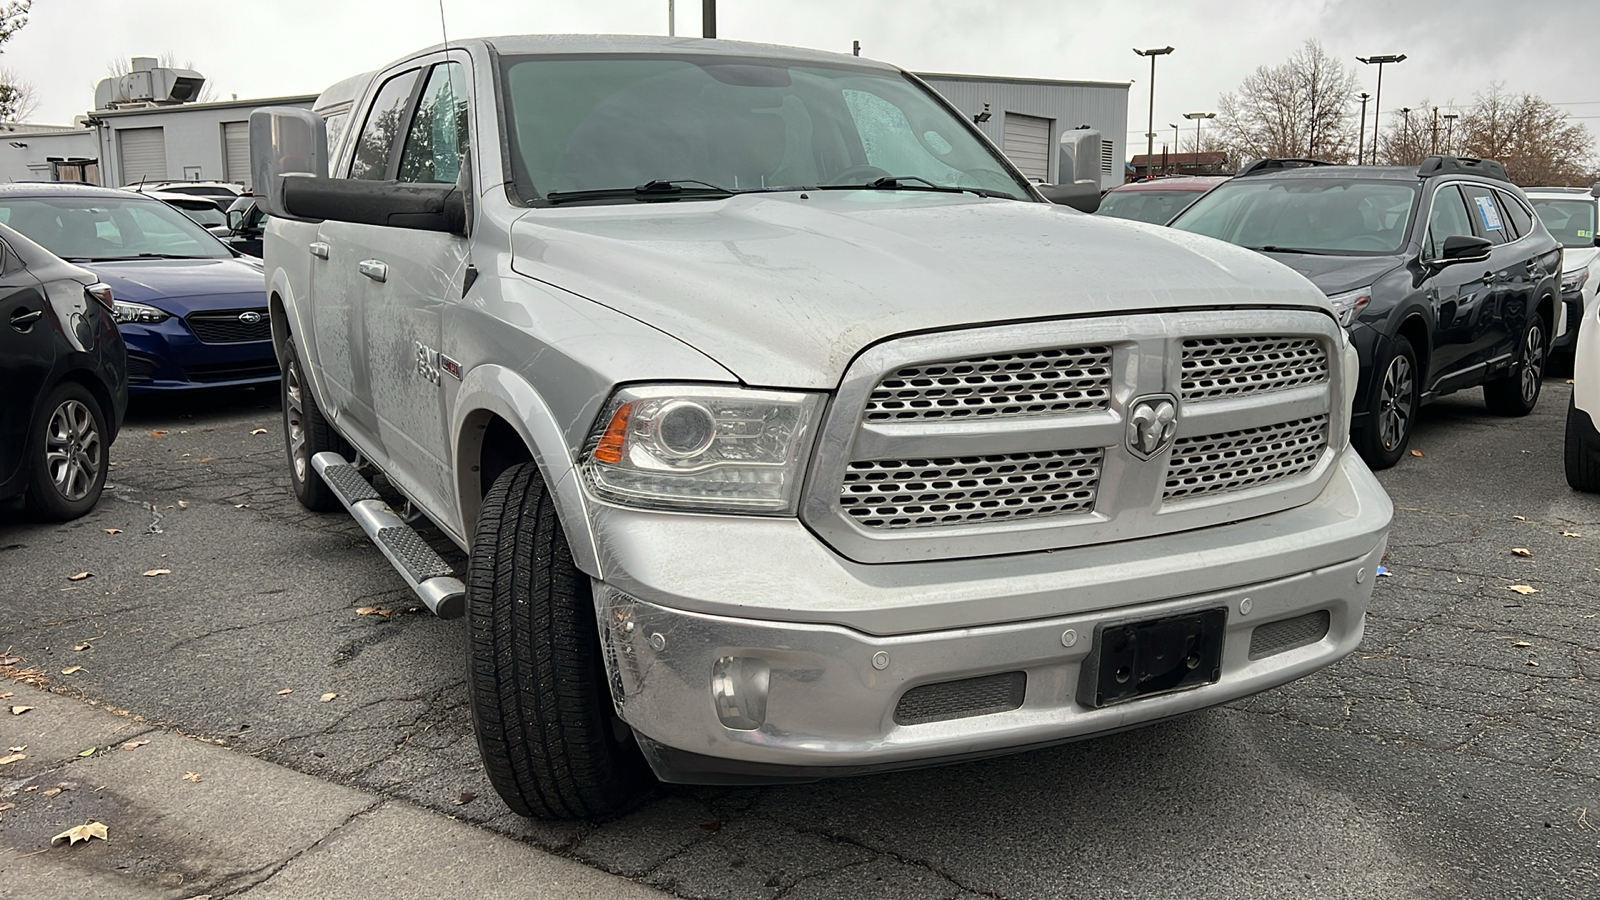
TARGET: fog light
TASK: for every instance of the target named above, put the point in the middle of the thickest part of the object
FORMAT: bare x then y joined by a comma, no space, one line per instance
739,688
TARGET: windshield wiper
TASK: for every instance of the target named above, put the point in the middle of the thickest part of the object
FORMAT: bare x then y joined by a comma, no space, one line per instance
146,255
911,183
675,189
1272,248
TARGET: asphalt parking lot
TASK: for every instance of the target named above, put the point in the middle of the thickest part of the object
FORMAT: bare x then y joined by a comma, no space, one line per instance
1456,754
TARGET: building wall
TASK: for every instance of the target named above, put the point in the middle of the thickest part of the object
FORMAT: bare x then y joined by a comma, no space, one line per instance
30,161
1068,104
192,133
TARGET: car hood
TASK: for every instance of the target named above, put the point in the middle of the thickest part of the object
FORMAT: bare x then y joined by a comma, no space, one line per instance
181,286
1574,258
785,289
1337,274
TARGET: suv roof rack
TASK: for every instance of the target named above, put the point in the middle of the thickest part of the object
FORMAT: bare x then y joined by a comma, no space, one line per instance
1462,165
1272,164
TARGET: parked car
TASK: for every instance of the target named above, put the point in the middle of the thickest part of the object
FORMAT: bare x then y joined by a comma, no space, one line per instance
247,221
1441,272
1569,214
64,370
1156,200
220,193
1583,410
192,313
202,210
841,450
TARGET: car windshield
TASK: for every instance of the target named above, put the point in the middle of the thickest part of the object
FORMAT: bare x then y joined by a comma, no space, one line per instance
1317,215
1155,207
1570,221
711,125
92,229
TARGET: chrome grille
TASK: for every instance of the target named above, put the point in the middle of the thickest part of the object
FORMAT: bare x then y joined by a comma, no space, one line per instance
1009,385
1218,367
915,493
1235,460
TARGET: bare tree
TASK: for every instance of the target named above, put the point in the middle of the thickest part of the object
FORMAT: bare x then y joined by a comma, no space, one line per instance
13,15
1537,142
1410,138
1300,107
19,98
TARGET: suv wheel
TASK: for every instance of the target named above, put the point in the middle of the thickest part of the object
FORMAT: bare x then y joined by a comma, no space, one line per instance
1392,409
1517,392
68,455
547,728
306,433
1582,450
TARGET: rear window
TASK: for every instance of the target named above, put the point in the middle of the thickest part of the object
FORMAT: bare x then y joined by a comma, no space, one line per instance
1156,207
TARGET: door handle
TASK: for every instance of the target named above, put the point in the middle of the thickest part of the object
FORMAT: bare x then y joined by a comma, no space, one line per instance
375,269
319,249
22,319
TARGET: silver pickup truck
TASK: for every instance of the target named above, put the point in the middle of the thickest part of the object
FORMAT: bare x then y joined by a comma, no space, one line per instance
790,432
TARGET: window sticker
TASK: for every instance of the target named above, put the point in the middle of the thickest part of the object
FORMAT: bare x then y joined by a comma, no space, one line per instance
1582,233
1490,213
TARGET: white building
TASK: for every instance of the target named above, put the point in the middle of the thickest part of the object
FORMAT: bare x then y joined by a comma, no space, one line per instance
188,142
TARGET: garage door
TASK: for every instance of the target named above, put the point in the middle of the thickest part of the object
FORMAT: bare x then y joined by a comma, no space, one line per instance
1027,142
236,152
142,153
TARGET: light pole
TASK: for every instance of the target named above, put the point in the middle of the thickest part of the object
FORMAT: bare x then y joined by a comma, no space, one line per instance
672,18
708,18
1175,147
1197,118
1433,134
1150,128
1450,132
1377,102
1361,141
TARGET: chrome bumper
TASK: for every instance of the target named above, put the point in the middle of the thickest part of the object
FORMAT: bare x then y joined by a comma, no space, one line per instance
795,686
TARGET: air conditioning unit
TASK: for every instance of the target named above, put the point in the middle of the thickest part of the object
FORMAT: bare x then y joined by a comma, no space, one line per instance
148,85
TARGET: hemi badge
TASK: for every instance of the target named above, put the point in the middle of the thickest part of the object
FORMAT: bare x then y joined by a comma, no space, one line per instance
451,366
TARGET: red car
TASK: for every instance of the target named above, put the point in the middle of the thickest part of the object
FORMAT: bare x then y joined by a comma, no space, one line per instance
1157,200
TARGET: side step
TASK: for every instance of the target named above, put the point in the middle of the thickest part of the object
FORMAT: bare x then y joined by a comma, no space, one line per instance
423,569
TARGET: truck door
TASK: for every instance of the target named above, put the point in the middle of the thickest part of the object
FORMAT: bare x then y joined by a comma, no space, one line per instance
338,283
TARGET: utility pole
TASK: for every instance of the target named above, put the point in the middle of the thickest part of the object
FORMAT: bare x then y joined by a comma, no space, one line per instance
1450,132
708,18
672,18
1433,136
1150,127
1377,103
1405,127
1175,147
855,48
1361,142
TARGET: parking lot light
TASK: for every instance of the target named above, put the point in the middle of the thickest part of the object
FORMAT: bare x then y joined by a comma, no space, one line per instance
1150,128
1377,113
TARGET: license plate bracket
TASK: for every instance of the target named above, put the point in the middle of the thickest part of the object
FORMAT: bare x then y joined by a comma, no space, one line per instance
1150,657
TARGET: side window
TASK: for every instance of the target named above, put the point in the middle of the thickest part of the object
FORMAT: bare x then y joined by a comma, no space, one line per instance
1521,219
375,146
438,135
1486,219
336,123
1448,218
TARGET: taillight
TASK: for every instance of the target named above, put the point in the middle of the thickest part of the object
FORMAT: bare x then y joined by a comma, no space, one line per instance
102,292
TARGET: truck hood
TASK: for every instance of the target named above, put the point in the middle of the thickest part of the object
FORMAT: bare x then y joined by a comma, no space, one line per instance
785,289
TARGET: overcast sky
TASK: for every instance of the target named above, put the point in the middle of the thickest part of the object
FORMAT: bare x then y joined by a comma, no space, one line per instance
266,48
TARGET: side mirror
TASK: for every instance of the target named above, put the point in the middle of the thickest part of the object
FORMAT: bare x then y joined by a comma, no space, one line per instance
1595,190
285,142
235,219
1462,248
422,207
1079,177
1083,196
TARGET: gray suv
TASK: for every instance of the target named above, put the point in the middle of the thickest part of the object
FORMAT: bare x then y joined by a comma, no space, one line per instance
790,432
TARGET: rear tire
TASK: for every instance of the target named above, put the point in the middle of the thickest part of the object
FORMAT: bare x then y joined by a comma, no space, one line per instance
1392,409
1517,392
541,703
67,454
1582,451
305,434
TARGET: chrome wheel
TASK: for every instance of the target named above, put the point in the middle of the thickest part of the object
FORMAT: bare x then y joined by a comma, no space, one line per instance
294,421
73,453
1396,402
1532,362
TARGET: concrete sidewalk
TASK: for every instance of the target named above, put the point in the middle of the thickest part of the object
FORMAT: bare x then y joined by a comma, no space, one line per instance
189,819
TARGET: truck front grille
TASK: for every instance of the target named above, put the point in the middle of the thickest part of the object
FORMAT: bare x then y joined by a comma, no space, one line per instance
1235,460
1218,367
916,493
1008,385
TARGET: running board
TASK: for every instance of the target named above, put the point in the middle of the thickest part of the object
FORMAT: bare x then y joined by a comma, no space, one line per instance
423,569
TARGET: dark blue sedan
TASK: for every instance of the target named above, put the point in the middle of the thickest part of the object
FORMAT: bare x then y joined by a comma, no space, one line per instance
191,312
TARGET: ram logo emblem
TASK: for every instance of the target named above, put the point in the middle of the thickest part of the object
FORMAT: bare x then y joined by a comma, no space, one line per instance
1152,421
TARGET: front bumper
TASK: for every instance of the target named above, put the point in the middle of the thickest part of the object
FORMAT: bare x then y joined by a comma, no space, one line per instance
798,668
168,356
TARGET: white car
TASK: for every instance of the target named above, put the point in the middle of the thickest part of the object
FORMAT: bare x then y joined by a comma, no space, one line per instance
1583,413
1570,215
220,192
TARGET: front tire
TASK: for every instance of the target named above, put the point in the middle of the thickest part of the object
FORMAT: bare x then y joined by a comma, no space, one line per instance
1582,451
541,703
305,434
67,455
1517,393
1392,409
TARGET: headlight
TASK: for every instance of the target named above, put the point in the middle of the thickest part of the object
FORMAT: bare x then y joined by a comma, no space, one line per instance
701,448
125,313
1348,305
1574,280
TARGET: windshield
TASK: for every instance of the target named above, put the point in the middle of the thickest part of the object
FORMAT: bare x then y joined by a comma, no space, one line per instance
1317,215
1155,207
1570,221
611,122
91,229
203,213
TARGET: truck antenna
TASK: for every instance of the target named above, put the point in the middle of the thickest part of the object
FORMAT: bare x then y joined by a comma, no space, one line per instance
442,30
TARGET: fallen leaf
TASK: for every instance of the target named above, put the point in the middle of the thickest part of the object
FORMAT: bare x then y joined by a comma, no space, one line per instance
465,798
1571,534
15,757
154,433
113,531
19,710
1523,552
1521,644
154,572
134,745
374,611
6,806
1533,662
1418,453
327,697
80,576
5,695
51,792
71,670
83,646
10,660
1523,588
183,504
18,749
88,752
1520,518
82,833
285,691
259,431
205,459
192,776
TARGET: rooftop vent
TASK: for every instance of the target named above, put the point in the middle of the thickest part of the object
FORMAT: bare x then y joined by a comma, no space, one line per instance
148,84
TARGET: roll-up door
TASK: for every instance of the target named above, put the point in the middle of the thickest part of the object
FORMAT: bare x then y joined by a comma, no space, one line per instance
1027,143
142,153
236,152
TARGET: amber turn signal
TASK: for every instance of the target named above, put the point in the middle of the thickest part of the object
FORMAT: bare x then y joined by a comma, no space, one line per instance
609,449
